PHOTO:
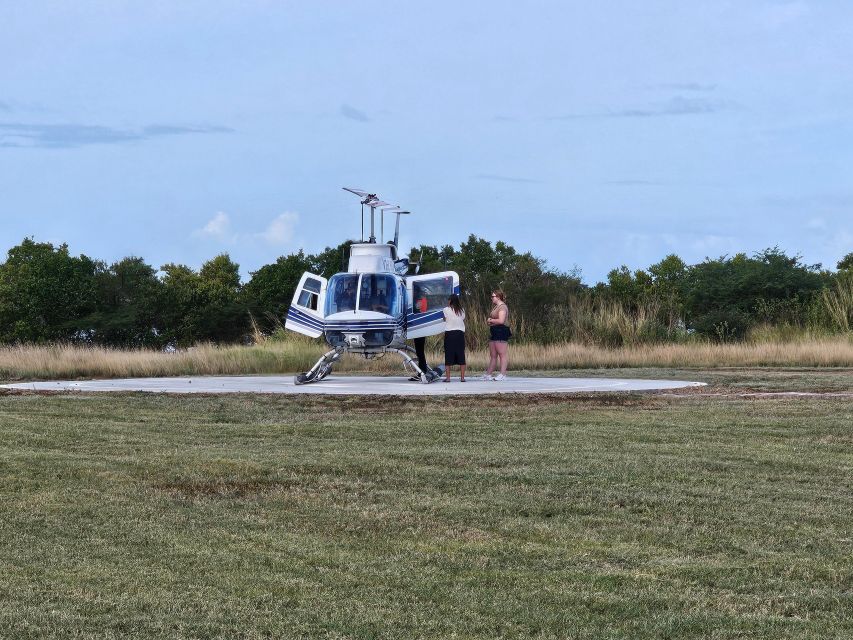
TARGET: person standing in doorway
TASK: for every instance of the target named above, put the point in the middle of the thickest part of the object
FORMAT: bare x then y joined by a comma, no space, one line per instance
499,335
454,337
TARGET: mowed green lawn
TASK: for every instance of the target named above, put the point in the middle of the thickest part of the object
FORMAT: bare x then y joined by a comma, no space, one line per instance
257,516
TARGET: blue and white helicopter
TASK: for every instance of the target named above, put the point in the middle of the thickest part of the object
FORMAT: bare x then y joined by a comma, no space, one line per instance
375,306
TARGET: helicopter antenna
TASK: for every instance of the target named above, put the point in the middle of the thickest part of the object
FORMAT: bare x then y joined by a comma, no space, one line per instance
382,220
397,227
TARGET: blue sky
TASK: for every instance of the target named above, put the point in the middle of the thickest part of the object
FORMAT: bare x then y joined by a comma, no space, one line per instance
592,134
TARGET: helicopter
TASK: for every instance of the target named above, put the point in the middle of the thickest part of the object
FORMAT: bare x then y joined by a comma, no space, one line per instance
373,307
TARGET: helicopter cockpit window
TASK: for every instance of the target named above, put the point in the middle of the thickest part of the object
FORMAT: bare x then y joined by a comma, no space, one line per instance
341,293
378,293
429,295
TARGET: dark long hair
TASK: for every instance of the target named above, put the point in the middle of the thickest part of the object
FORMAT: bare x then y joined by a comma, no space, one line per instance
454,304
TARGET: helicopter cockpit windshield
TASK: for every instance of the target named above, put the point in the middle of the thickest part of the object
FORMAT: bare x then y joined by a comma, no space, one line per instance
378,293
341,294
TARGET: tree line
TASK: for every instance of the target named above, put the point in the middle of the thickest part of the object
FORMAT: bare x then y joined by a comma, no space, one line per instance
49,295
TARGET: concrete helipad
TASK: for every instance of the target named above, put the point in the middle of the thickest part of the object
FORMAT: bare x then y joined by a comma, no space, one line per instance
355,385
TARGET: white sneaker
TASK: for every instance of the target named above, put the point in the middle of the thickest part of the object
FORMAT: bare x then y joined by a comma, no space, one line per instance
499,378
486,376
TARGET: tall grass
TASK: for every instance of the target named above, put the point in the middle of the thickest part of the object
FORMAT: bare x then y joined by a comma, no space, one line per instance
839,302
583,319
298,354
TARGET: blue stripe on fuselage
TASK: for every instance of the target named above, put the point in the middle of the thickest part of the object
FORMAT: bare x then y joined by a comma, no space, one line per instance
417,319
300,317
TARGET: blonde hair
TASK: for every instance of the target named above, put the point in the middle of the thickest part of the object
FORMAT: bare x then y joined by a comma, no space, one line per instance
500,294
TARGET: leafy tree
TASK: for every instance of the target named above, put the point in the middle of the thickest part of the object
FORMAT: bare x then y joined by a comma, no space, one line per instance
669,273
482,267
181,301
331,260
130,298
221,316
668,277
431,258
727,296
45,292
846,263
270,291
221,276
624,286
658,281
204,306
535,288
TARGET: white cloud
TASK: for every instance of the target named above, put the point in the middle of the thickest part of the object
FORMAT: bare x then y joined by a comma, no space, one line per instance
280,231
218,227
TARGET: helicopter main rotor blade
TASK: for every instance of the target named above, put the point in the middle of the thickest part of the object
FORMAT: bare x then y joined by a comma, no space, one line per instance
358,192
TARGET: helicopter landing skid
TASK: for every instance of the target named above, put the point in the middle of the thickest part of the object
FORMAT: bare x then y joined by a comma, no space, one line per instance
324,367
430,375
321,369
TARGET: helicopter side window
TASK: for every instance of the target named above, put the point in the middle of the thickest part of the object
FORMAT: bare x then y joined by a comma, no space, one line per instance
307,300
341,293
310,294
378,293
429,295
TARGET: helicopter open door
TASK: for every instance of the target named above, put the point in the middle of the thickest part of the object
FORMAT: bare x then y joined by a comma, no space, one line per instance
305,314
427,295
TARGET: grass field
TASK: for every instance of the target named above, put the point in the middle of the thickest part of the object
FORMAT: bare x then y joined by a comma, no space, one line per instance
705,515
296,354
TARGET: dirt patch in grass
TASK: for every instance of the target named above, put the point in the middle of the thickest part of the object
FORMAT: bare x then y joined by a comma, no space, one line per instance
394,404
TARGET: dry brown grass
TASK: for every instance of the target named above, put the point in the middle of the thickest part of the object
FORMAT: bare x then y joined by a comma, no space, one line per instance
829,352
296,354
839,302
67,361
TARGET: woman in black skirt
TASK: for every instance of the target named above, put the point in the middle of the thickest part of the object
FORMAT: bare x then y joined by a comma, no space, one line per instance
454,337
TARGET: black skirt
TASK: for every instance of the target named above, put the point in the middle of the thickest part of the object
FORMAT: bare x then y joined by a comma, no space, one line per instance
499,333
454,347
